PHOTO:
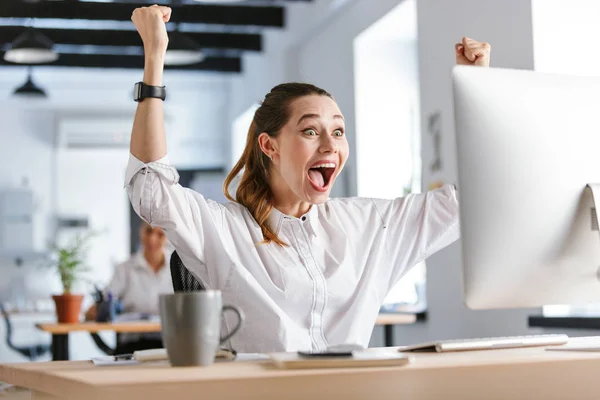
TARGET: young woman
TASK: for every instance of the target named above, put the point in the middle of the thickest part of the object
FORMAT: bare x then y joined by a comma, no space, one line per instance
308,271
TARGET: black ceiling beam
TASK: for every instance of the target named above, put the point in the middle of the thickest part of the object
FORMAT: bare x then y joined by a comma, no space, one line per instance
201,13
81,37
220,64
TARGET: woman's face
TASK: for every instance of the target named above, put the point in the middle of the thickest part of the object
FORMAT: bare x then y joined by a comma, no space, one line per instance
311,148
153,239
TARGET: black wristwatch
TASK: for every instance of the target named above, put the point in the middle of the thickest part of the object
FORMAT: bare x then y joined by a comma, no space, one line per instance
142,91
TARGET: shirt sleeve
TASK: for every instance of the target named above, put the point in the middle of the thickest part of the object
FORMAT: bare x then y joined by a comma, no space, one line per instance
187,218
118,282
417,226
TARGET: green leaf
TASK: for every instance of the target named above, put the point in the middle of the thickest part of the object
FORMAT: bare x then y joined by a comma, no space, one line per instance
70,260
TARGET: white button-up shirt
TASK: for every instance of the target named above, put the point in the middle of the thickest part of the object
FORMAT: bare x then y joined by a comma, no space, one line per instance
138,286
326,286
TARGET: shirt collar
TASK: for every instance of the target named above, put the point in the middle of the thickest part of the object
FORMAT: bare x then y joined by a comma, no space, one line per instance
142,263
277,218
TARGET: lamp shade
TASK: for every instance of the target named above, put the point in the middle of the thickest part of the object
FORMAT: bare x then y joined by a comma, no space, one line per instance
182,50
29,89
31,47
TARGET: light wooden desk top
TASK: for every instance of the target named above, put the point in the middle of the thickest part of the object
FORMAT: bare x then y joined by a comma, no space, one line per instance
149,326
94,327
528,373
395,319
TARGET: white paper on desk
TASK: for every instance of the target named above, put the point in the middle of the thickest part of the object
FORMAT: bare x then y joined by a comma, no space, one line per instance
586,343
574,348
251,357
110,360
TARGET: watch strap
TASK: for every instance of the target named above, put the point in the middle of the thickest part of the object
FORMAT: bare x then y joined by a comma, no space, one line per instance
143,91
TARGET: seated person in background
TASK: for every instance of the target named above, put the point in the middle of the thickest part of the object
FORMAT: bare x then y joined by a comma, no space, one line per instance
138,282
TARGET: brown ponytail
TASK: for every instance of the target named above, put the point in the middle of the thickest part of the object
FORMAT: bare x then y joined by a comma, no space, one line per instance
254,191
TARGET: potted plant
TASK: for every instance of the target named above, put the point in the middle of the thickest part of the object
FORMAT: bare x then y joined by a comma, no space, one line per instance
69,262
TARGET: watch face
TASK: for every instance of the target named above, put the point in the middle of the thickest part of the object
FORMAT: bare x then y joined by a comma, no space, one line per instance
137,91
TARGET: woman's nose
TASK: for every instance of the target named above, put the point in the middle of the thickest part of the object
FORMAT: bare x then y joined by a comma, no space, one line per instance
328,145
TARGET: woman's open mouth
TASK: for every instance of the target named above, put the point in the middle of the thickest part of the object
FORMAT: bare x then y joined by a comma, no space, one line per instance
320,176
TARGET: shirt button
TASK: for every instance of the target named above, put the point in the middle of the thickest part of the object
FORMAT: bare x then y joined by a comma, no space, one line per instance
304,218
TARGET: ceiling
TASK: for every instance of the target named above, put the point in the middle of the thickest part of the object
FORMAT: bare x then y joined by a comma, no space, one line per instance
99,34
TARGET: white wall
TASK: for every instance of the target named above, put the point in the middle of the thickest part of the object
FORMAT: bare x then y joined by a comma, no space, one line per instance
566,37
387,104
26,130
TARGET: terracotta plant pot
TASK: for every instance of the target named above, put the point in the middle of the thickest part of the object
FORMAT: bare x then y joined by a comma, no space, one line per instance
68,307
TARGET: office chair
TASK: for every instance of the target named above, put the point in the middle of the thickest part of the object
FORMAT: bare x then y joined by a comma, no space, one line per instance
183,280
101,344
32,352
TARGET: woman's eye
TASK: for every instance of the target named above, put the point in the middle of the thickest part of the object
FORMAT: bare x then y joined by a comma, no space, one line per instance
310,132
338,132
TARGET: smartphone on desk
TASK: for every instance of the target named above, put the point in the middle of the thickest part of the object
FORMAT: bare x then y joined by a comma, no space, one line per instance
325,353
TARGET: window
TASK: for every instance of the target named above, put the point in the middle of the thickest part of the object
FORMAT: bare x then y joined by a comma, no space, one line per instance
388,145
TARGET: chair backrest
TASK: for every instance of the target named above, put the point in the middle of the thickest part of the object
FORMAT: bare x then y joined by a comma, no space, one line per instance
8,326
31,352
183,280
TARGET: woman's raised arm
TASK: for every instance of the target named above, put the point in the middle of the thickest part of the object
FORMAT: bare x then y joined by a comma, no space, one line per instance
148,141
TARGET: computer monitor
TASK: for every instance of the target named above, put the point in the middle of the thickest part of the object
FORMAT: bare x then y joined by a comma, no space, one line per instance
528,143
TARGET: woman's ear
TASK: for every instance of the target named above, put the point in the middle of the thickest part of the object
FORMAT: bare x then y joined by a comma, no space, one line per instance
267,144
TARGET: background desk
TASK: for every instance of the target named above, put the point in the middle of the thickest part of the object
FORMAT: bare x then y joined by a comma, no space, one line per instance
388,321
530,373
60,332
540,321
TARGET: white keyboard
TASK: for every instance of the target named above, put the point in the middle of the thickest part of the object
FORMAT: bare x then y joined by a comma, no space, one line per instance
488,343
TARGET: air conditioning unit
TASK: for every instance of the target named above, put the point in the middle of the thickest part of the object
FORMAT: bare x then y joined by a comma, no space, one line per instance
94,131
98,131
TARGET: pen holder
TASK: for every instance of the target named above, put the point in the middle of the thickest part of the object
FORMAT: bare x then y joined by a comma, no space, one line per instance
106,310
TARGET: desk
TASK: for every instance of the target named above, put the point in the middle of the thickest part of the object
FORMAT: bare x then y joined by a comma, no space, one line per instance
529,373
389,320
60,332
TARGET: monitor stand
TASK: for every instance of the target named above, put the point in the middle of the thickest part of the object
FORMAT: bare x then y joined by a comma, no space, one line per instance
593,345
594,189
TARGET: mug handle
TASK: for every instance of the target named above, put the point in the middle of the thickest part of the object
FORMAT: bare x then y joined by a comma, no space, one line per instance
240,315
